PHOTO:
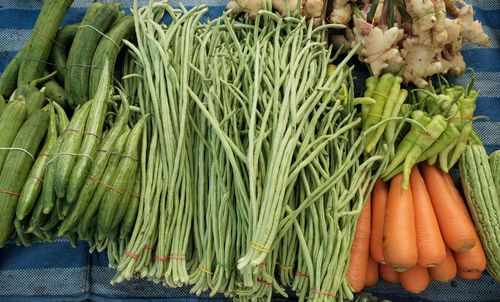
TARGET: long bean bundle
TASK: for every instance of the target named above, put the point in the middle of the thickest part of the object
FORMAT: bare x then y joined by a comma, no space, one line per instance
254,174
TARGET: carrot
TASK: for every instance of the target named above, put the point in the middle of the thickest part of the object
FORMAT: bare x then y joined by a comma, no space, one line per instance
470,275
445,271
371,273
416,280
356,273
473,260
454,221
388,274
430,245
399,244
379,201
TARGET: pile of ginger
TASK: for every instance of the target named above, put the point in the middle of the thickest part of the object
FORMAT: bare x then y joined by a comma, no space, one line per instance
425,40
427,43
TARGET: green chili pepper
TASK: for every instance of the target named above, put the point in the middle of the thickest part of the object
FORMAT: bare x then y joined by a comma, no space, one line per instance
391,126
445,139
370,84
433,131
408,141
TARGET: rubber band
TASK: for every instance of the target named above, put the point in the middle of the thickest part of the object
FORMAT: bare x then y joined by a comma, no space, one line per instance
117,154
43,154
381,94
225,265
262,281
91,134
138,196
48,38
203,269
19,149
300,274
149,246
177,257
106,185
130,254
73,130
285,267
324,293
71,154
260,247
162,259
373,114
36,178
100,32
263,263
10,193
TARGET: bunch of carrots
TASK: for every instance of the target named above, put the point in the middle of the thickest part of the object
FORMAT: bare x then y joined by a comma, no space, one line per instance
415,235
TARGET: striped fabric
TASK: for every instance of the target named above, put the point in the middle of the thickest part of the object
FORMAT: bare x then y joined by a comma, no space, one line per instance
56,272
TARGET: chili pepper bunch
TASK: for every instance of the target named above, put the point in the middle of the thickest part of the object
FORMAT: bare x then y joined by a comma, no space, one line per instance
432,124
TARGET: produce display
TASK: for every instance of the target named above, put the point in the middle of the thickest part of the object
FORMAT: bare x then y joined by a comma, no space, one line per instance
233,155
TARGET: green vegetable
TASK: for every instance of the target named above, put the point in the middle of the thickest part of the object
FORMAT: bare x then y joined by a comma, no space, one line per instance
55,92
408,142
495,169
61,48
12,118
108,49
98,167
24,238
390,129
96,21
484,204
131,215
34,183
86,219
450,134
389,105
70,145
62,118
119,181
8,81
40,43
91,136
17,167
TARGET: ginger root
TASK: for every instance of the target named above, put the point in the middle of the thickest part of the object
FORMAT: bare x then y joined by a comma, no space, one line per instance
421,62
251,7
341,13
424,16
379,47
472,30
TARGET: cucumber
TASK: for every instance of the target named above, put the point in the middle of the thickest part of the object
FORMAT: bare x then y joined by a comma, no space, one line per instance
33,97
128,165
25,239
71,142
38,218
97,20
56,93
98,169
108,49
48,192
92,135
11,120
40,43
130,217
484,204
124,205
34,184
17,167
8,81
62,118
59,56
92,208
2,103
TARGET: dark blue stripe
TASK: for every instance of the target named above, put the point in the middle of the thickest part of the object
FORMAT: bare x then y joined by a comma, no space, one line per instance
44,255
489,17
5,58
483,59
488,106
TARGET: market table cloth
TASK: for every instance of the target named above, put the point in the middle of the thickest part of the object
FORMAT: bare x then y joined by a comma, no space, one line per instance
57,272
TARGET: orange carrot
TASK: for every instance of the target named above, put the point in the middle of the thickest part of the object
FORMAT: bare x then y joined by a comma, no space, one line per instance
379,201
470,275
356,273
454,221
388,274
371,273
430,245
399,244
473,260
445,271
416,280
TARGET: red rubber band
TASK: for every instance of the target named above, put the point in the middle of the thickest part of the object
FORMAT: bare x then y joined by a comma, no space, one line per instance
130,254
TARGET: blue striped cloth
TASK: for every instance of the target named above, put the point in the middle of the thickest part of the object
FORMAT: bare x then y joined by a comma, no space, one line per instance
56,272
